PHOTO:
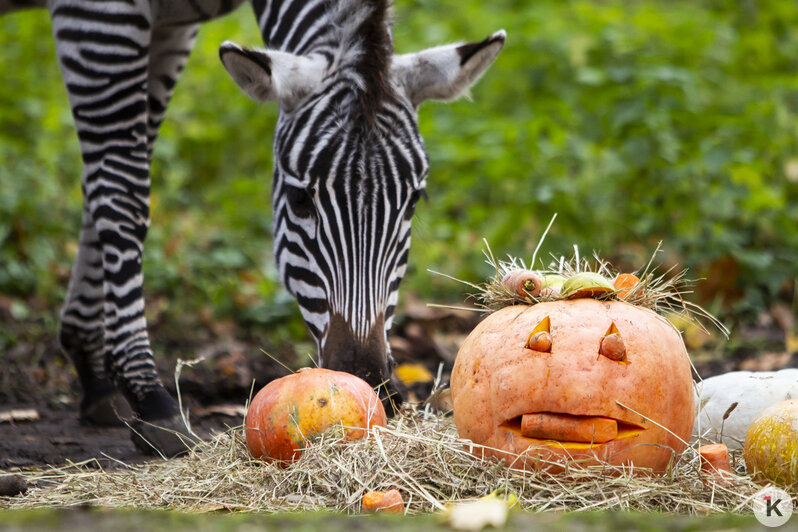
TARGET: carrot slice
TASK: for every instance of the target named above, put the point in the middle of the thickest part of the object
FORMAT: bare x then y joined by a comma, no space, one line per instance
563,427
523,282
624,283
714,458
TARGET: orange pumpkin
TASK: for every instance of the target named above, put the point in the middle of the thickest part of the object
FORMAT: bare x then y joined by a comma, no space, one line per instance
580,399
294,408
389,502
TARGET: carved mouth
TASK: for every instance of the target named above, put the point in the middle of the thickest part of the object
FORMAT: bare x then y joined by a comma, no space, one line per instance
571,431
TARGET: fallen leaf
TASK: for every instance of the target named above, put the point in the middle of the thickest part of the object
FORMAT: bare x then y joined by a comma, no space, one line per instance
232,410
19,415
490,510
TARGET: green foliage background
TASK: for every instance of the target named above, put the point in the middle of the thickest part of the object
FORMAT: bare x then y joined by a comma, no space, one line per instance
635,121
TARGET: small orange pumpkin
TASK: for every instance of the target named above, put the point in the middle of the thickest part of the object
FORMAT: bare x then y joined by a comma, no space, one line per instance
578,399
294,408
389,502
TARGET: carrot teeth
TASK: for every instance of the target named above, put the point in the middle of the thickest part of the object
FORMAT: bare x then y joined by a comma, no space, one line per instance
566,428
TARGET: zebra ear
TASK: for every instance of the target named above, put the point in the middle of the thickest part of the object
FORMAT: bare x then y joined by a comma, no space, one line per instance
445,72
271,75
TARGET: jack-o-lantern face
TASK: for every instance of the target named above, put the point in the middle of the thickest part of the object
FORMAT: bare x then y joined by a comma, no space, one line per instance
583,379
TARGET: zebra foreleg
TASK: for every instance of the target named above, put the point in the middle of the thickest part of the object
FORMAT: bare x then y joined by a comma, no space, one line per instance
169,51
82,334
104,56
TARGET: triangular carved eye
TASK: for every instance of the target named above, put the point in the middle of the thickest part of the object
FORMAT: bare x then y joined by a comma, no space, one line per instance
612,345
540,337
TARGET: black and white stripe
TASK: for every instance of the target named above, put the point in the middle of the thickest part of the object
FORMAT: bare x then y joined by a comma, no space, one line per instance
349,168
342,231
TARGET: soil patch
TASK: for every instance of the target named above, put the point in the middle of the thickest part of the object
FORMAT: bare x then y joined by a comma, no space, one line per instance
57,437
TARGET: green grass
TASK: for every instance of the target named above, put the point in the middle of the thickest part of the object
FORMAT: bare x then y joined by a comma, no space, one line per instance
637,122
134,521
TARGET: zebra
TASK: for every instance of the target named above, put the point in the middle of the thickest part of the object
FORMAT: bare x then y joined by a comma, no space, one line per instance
349,168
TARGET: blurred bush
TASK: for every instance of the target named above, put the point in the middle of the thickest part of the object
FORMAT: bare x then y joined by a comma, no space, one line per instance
634,121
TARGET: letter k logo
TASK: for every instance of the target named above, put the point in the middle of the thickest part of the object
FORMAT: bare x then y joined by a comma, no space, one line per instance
772,507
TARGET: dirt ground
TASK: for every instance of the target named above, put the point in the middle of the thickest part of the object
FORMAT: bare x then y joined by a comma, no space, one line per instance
35,375
57,437
36,378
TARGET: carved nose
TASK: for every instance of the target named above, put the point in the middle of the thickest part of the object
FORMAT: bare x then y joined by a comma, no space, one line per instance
365,356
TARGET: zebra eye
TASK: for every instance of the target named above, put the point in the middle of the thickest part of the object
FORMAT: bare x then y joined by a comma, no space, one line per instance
300,202
411,206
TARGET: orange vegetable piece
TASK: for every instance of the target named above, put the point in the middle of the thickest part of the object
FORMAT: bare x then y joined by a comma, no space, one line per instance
564,427
612,347
714,458
540,341
624,283
390,501
523,282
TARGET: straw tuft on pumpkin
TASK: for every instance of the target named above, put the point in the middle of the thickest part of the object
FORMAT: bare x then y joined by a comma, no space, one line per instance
661,291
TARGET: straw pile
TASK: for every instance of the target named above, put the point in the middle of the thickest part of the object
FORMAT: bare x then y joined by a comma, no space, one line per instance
661,291
419,453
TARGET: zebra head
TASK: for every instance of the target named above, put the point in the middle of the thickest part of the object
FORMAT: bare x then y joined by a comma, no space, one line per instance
349,168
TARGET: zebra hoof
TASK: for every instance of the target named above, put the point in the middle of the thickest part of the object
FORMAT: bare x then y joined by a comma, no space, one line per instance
165,437
108,410
12,485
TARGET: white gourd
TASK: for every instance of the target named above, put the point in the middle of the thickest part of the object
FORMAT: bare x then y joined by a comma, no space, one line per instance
753,391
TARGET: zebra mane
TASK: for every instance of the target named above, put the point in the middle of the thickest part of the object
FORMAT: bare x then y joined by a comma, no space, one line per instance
354,36
363,30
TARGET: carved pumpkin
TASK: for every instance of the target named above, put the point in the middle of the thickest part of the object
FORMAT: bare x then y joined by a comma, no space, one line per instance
607,373
294,408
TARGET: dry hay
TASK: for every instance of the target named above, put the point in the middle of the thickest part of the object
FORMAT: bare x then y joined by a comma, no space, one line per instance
419,453
661,291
